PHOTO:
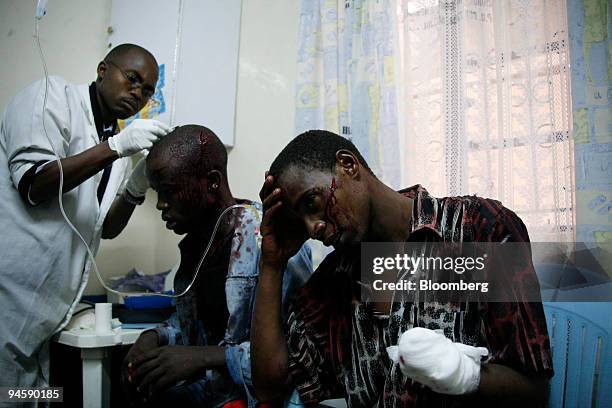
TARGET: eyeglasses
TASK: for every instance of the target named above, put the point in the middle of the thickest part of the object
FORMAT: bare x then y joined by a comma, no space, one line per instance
135,81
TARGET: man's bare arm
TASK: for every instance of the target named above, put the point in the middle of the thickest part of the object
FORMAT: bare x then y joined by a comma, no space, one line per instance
269,356
117,218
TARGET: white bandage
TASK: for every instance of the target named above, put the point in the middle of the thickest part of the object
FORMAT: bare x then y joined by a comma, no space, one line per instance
430,358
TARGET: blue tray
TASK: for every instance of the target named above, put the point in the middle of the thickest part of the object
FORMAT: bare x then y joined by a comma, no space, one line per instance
148,302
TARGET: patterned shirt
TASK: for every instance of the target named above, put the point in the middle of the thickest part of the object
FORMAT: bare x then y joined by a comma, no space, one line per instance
218,308
337,346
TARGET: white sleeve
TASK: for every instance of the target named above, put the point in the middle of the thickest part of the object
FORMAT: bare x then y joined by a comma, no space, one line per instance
23,136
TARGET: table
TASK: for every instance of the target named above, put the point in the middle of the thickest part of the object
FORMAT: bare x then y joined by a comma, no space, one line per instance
96,364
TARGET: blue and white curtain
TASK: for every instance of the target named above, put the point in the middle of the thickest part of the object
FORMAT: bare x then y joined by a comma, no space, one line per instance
590,32
464,97
346,77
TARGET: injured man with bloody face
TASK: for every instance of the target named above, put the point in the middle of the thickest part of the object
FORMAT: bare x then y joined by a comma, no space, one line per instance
335,343
201,355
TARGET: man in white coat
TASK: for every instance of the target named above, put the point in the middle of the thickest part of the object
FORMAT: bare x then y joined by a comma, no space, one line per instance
44,266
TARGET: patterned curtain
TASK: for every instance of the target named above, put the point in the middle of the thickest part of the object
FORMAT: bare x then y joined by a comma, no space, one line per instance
346,77
590,32
462,96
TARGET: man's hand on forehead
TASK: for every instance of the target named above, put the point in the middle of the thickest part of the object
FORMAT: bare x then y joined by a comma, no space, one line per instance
266,188
282,237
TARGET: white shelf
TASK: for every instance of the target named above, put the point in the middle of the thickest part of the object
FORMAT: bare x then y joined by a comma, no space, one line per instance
87,338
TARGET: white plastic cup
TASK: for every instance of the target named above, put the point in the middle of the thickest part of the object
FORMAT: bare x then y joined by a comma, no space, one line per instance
104,314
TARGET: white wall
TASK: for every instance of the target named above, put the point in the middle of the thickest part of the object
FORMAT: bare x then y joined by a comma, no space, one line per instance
265,109
72,35
74,38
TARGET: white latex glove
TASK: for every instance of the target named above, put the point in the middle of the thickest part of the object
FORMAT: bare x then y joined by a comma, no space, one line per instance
138,183
137,136
430,358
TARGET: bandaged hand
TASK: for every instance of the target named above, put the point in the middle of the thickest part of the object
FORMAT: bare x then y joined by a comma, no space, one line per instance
138,183
137,136
430,358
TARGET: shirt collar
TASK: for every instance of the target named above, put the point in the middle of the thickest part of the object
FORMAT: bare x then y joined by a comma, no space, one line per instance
424,211
103,132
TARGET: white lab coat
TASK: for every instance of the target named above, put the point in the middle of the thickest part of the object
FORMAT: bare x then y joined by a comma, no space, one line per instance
44,266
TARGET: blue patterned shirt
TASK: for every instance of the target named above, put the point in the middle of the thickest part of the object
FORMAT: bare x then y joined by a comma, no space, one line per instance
188,325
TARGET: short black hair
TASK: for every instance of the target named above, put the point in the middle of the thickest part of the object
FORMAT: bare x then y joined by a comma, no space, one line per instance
122,49
195,149
314,149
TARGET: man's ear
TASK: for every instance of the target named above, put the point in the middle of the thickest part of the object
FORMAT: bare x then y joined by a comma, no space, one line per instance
347,162
102,68
214,179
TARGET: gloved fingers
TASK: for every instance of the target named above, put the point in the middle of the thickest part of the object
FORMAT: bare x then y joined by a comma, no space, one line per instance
147,143
156,132
163,126
150,136
157,127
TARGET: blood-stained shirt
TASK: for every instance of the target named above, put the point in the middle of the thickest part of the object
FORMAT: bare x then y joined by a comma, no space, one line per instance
337,346
219,307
